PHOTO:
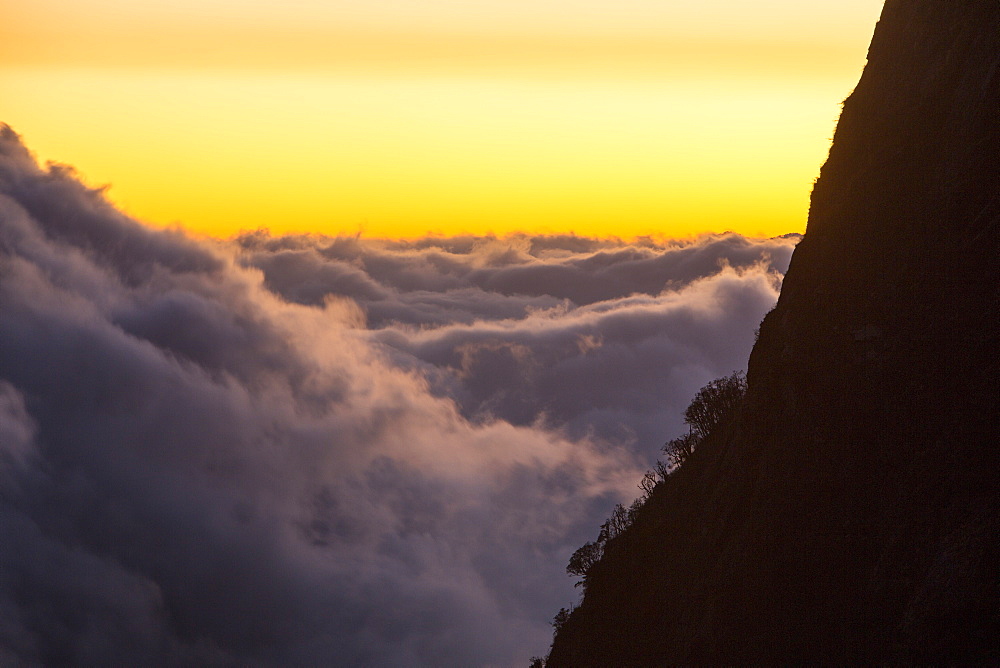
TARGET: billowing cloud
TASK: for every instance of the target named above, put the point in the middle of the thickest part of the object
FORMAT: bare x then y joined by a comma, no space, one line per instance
588,335
308,450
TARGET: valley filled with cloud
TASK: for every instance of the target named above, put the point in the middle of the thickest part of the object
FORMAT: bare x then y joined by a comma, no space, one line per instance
280,450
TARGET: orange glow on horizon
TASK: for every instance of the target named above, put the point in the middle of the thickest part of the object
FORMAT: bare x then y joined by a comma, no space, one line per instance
332,122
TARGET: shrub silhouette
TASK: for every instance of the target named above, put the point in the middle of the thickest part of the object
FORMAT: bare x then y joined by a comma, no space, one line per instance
584,558
561,618
710,406
714,402
679,449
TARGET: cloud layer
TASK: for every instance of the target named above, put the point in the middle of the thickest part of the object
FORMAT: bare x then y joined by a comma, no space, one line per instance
310,450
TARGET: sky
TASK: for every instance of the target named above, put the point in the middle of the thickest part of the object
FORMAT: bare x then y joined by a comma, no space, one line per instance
383,309
398,119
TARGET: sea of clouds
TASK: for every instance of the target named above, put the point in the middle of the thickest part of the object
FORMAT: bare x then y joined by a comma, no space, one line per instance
307,450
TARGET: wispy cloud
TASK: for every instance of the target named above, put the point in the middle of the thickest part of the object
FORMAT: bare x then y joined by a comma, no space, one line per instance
300,450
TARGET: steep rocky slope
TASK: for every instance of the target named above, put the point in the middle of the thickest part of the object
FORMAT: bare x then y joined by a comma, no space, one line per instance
850,512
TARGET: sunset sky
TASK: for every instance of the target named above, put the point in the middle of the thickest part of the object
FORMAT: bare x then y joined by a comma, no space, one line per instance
401,118
374,450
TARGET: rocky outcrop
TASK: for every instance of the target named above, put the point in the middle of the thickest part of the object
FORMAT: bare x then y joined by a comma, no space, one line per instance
850,512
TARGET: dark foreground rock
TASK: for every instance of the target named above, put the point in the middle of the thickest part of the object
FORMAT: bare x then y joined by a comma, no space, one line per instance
850,511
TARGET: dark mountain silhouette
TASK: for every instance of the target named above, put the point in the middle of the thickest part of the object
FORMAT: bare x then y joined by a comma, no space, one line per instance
848,512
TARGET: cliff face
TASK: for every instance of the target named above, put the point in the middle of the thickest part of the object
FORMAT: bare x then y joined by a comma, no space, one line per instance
850,512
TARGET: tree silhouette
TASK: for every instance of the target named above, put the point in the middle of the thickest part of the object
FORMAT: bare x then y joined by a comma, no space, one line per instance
561,618
714,402
679,449
583,559
710,406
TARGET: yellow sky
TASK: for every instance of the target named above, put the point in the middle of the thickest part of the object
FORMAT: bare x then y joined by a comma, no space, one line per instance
398,118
